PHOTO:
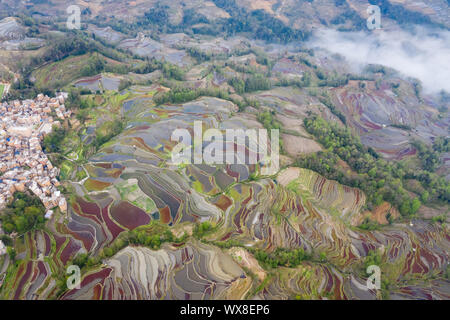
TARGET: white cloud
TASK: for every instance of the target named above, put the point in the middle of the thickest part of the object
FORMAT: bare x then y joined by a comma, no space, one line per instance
424,54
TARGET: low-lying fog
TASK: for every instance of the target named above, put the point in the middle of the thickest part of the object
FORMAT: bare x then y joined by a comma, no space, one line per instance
423,54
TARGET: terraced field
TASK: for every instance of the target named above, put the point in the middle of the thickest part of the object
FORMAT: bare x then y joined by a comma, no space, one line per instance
194,272
70,69
374,112
142,227
346,201
131,182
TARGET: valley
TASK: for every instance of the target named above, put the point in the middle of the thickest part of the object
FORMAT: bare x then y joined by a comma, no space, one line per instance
363,177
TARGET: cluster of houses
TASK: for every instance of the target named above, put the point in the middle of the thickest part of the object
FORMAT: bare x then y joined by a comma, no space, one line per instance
23,164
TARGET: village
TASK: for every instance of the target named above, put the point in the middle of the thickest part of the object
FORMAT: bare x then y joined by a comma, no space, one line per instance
23,164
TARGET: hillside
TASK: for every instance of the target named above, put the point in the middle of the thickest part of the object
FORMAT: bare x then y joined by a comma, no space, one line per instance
361,161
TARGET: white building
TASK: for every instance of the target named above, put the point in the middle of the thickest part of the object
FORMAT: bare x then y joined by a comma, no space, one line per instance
49,214
2,248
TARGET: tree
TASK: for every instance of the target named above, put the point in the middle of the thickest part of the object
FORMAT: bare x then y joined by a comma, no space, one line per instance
172,72
238,85
93,66
23,213
81,260
373,258
425,196
415,205
12,253
202,228
53,141
257,82
405,208
108,252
